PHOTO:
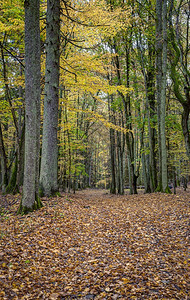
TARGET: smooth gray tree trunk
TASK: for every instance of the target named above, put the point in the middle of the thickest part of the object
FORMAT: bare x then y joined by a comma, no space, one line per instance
30,199
49,161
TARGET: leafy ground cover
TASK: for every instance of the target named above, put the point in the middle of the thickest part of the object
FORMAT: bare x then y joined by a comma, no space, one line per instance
93,245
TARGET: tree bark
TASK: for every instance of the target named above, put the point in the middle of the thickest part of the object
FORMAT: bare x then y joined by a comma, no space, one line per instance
158,47
120,154
161,63
163,99
49,161
112,149
4,171
30,199
151,114
185,125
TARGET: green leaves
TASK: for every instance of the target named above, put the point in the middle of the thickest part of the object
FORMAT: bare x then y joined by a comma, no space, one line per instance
12,19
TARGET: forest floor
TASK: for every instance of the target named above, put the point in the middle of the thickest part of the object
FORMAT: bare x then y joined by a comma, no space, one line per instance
93,245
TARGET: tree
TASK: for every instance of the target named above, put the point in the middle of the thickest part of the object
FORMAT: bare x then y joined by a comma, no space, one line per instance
4,171
179,53
161,65
112,147
30,200
49,160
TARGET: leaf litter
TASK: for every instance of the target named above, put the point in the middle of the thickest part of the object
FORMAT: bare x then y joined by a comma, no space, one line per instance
92,245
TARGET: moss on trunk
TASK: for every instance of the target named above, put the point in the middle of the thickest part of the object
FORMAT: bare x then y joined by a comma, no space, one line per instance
167,190
23,210
159,188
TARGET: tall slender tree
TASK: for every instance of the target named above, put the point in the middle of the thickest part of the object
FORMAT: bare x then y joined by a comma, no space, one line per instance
4,171
49,161
161,68
30,199
163,99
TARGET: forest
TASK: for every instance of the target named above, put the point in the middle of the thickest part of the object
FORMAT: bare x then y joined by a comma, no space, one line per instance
94,94
94,149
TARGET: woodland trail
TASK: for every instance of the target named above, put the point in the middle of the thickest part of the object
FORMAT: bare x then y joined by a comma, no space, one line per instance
93,245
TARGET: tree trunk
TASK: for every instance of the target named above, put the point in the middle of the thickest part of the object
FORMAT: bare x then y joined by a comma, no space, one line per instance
120,181
163,99
49,161
158,47
151,113
185,126
112,149
161,48
30,199
4,171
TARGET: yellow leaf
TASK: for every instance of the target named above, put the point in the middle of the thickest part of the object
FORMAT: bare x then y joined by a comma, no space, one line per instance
125,280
